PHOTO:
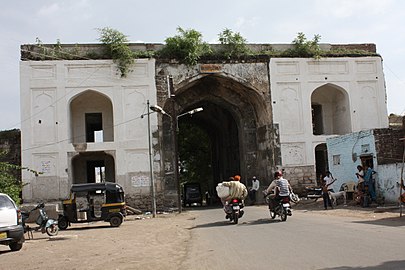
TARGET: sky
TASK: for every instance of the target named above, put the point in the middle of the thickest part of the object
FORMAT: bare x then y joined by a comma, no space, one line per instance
259,21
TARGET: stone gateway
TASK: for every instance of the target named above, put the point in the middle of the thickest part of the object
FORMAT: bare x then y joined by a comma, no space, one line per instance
81,121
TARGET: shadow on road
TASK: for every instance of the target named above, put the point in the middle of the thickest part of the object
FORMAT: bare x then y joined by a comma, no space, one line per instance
392,265
392,222
214,224
262,221
90,227
241,223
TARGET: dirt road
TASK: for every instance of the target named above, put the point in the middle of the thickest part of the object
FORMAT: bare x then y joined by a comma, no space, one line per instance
149,243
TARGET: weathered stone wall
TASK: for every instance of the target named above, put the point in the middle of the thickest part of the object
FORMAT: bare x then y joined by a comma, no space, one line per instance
98,51
388,145
300,177
143,202
369,47
241,88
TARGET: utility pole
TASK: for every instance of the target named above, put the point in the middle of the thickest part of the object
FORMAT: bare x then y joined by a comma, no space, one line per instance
152,180
402,180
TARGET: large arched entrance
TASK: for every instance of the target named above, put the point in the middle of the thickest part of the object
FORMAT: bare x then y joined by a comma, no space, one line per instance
237,135
208,146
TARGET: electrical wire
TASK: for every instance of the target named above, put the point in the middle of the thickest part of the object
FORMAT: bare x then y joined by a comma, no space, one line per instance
62,97
90,75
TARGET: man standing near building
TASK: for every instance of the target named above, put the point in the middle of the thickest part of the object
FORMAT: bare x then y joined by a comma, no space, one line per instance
369,181
328,181
254,189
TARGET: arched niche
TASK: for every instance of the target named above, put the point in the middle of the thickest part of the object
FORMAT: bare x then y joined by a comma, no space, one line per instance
330,111
91,118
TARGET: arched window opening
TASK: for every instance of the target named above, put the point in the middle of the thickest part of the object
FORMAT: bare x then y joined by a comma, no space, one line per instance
91,117
330,111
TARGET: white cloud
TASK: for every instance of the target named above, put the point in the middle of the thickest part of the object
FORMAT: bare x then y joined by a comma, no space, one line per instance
48,10
243,22
350,8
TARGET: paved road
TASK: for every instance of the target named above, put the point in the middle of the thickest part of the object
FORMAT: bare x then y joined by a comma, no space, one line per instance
305,241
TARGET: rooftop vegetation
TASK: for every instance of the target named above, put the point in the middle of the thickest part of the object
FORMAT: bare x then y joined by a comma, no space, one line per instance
187,47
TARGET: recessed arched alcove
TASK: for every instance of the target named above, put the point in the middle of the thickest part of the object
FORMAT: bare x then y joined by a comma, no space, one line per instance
93,167
330,111
91,118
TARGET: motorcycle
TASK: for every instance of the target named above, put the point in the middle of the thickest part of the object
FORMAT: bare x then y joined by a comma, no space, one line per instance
45,224
279,207
234,210
313,192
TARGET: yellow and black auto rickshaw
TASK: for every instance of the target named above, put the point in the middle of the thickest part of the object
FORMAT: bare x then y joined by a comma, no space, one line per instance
93,202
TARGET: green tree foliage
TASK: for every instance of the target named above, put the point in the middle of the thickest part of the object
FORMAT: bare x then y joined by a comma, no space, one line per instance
9,184
187,47
195,154
117,48
305,48
234,45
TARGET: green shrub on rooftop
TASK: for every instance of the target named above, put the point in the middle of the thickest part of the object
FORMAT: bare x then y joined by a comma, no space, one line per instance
187,47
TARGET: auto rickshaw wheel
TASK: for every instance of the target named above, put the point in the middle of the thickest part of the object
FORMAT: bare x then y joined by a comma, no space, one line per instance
115,221
63,223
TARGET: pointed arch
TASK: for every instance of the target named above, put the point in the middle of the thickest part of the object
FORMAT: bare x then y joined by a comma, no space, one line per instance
236,119
93,167
330,110
91,118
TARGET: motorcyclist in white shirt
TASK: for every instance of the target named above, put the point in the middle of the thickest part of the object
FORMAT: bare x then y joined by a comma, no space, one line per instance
279,186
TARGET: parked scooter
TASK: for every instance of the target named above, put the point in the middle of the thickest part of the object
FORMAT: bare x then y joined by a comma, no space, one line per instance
280,207
234,210
45,224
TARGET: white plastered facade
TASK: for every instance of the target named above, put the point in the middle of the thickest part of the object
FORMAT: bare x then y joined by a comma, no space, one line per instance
50,130
350,90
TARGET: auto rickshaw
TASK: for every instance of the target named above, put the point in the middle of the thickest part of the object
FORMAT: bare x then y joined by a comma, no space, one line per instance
93,202
192,194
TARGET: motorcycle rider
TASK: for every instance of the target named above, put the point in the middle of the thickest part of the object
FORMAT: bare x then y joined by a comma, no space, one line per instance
280,187
237,190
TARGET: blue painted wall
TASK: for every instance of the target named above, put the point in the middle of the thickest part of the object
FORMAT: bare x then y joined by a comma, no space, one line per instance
349,148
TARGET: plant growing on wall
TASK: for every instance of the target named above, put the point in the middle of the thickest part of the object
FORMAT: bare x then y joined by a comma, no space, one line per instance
55,51
234,45
187,47
117,48
304,48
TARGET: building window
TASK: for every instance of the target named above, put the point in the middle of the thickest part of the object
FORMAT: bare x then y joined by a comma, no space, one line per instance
336,159
94,127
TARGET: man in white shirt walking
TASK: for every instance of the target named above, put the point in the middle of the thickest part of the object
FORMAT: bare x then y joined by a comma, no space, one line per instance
254,189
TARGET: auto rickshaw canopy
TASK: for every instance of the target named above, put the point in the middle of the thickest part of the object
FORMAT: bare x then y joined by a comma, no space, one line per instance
88,187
